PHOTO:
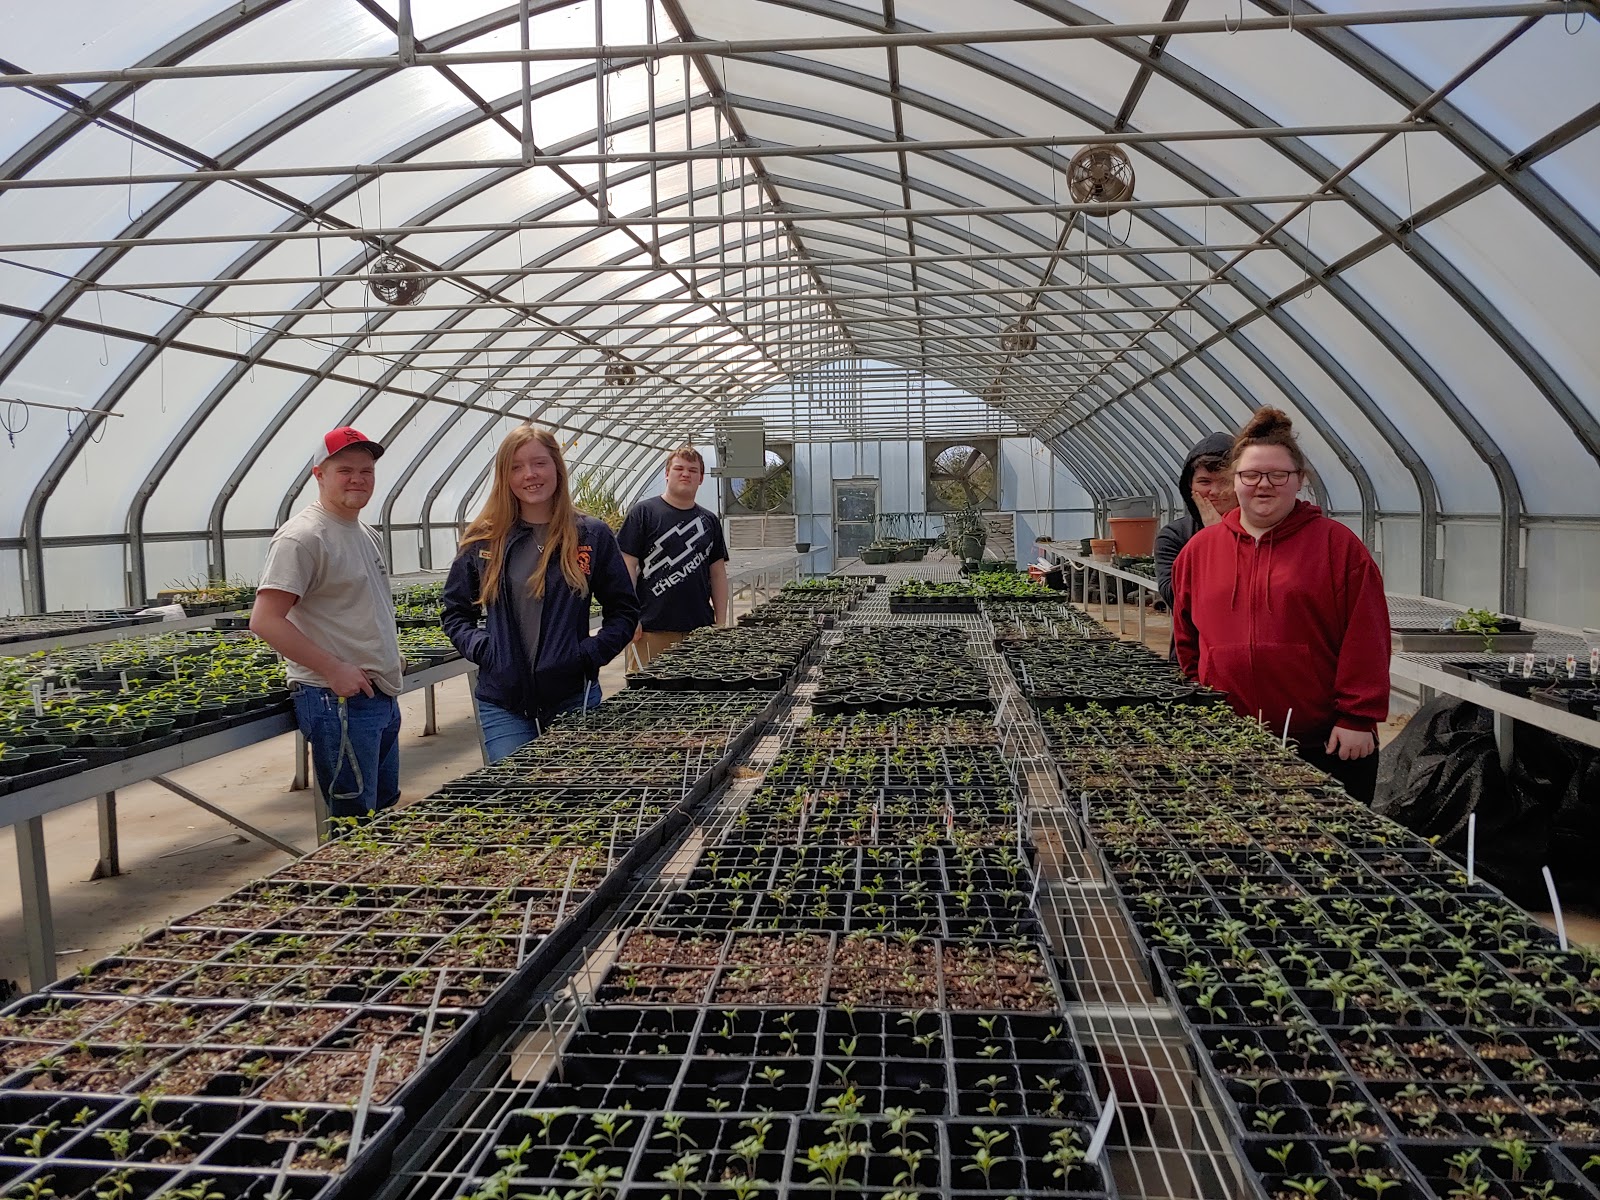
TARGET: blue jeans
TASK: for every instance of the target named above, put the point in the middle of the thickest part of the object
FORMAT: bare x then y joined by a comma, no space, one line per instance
505,732
356,757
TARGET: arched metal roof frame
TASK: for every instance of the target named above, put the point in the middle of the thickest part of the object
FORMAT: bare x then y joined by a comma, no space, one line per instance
1000,280
1311,162
789,184
1348,458
1476,312
98,107
1477,306
263,344
1174,450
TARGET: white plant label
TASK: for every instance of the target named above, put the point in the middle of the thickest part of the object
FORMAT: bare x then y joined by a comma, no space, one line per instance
37,688
1102,1131
1594,661
1527,666
1472,847
1572,666
1555,907
1511,664
123,675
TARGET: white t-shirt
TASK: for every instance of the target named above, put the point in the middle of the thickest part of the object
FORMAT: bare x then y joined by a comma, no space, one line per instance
336,567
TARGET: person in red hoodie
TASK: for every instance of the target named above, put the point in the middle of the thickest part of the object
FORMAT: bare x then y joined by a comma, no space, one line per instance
1283,609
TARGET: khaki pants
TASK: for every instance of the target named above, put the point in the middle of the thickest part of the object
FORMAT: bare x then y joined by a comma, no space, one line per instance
648,646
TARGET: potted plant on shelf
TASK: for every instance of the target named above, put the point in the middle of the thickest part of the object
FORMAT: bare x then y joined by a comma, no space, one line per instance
965,533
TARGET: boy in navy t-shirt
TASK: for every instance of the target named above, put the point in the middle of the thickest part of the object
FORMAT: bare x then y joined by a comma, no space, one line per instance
676,554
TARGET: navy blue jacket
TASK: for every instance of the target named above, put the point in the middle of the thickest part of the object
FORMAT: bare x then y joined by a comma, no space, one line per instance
567,656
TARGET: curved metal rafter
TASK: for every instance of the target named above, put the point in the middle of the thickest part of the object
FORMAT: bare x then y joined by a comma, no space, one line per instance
1116,419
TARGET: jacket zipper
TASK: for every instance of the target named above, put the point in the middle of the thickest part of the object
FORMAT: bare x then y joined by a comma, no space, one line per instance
516,632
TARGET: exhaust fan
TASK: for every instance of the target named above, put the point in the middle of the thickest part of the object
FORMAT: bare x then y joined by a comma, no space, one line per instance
1100,175
1018,337
399,293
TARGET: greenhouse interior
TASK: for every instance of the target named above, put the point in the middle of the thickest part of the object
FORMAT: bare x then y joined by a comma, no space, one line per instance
806,600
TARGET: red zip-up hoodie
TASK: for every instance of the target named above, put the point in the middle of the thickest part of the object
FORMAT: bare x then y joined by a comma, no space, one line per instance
1296,621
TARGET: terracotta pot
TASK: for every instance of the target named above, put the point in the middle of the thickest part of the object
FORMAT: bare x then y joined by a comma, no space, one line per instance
1134,535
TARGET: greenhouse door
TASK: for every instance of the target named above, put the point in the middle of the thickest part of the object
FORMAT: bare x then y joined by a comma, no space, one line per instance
855,516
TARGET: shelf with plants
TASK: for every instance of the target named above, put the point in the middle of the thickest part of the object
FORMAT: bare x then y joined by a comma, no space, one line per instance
1046,620
965,594
918,728
201,596
30,627
419,606
1366,1015
786,1021
886,669
65,711
764,657
186,1147
425,646
821,601
1071,673
366,973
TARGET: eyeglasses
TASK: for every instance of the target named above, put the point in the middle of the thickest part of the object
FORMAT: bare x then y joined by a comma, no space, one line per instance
1254,478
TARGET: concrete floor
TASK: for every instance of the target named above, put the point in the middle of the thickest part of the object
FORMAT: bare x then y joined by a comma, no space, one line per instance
177,858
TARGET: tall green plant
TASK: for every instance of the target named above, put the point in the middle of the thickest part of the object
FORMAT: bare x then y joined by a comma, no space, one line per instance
594,494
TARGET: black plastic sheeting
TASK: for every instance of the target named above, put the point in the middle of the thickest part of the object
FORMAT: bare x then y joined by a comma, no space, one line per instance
1445,765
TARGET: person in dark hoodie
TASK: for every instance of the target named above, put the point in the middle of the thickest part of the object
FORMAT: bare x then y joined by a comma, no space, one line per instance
1283,609
1207,494
516,601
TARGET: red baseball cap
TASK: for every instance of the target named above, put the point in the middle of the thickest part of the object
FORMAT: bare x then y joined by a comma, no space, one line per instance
339,439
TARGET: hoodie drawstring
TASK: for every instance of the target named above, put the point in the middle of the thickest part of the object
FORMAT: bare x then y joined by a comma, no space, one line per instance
1266,569
1238,550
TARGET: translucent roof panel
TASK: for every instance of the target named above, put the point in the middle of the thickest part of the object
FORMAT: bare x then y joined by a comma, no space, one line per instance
1387,226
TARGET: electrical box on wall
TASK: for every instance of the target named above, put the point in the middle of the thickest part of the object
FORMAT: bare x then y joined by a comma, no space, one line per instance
741,448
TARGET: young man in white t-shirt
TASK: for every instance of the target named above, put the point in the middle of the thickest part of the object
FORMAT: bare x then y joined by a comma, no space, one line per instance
324,604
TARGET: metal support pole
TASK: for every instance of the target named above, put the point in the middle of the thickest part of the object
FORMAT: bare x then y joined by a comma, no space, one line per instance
1505,738
1143,599
302,768
523,18
177,789
110,863
430,712
405,34
1100,571
38,925
1121,628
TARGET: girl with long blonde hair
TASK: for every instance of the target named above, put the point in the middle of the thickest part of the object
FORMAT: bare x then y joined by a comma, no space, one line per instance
516,601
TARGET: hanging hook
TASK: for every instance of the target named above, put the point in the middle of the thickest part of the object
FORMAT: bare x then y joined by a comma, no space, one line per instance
6,421
1235,29
1291,15
322,283
1111,235
133,122
653,65
1566,18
